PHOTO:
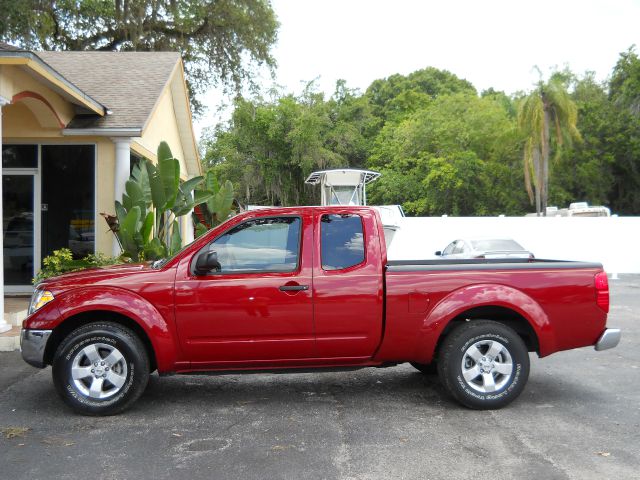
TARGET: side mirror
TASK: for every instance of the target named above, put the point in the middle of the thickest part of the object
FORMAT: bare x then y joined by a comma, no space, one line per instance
207,262
438,253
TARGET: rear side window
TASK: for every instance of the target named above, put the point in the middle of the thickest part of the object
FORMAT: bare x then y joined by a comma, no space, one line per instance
342,241
260,245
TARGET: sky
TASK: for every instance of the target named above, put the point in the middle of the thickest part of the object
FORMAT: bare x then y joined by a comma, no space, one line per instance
489,43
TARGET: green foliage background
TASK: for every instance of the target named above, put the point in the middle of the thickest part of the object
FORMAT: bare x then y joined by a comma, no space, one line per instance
442,147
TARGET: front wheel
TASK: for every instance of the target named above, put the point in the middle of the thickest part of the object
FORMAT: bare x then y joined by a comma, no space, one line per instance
100,369
483,364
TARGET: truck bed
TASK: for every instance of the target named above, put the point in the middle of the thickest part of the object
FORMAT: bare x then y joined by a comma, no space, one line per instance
550,301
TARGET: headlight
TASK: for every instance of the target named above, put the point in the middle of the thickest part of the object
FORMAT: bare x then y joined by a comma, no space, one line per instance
39,299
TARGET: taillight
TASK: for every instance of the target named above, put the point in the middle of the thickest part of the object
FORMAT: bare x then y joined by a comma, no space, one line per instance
602,291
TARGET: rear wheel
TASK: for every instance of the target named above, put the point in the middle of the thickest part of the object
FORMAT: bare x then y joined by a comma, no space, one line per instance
100,369
483,364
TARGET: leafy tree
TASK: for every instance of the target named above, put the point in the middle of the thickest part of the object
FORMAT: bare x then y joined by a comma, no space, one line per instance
270,147
455,156
548,110
625,82
218,208
624,137
395,97
584,172
221,41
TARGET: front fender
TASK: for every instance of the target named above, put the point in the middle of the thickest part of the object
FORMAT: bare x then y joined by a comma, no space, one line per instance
124,302
483,295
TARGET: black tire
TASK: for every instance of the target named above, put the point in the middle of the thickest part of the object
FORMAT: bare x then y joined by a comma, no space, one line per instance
426,368
112,382
482,339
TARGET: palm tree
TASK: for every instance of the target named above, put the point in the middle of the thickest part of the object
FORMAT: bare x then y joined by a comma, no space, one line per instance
546,110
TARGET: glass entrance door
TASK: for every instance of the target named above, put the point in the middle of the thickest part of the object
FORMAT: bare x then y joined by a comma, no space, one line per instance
18,228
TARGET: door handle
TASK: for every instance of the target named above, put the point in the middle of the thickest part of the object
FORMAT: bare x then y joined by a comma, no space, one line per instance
293,288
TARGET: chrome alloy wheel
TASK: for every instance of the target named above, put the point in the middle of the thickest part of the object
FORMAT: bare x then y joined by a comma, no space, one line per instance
487,366
99,370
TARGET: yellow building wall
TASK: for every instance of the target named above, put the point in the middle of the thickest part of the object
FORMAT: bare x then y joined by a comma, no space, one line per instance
162,126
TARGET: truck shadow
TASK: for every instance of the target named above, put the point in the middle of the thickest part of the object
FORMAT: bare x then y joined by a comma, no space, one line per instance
371,388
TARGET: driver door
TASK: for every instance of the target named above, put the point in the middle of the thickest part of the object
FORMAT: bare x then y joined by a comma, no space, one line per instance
258,307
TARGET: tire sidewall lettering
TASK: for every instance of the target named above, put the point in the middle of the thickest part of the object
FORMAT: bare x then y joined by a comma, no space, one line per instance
453,369
84,342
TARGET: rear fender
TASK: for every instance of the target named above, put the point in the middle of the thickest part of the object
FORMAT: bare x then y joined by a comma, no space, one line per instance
483,295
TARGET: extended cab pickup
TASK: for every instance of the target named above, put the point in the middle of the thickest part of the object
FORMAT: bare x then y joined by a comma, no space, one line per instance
310,287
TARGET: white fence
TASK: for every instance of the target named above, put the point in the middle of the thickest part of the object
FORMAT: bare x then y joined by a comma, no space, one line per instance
612,241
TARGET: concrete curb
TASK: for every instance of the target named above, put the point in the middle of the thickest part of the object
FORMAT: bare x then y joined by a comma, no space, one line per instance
10,341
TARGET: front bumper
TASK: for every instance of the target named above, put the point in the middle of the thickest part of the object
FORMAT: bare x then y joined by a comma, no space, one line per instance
609,339
33,344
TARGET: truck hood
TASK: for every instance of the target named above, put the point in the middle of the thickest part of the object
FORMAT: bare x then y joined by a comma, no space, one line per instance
93,276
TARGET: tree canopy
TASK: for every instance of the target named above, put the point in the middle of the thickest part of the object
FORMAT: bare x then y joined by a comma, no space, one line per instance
222,42
442,148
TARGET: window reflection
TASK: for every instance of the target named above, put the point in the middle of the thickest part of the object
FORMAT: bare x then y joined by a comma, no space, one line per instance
342,241
265,244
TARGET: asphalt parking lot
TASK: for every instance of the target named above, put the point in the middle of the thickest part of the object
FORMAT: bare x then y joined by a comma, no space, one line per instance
578,418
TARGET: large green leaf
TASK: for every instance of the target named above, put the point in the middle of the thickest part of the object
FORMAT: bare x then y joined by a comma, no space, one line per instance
200,230
170,174
158,195
183,204
176,241
202,196
126,202
190,185
147,228
211,182
187,198
140,175
130,234
135,196
121,212
155,250
164,152
221,203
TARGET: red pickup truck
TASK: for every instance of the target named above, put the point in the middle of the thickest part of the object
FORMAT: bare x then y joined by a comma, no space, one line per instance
310,287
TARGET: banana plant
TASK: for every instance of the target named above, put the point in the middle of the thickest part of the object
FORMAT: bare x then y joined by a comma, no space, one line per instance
147,218
218,207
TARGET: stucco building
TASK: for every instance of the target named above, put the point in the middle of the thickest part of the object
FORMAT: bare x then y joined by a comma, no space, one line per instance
72,125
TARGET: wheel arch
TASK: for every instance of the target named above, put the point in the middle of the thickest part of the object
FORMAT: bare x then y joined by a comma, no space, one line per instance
503,315
95,316
500,303
81,306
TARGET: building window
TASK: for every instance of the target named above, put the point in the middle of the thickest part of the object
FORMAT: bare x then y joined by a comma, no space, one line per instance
19,156
68,203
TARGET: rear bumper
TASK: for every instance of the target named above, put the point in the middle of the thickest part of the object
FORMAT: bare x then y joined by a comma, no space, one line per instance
609,339
33,344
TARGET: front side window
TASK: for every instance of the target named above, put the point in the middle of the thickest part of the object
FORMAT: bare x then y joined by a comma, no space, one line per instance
342,241
260,245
